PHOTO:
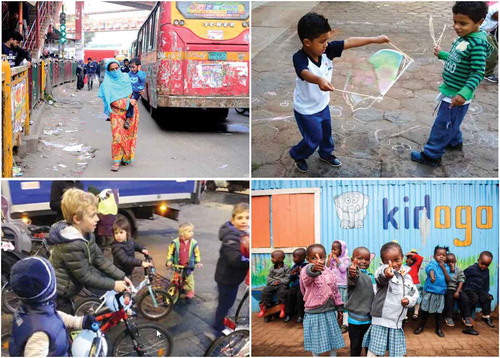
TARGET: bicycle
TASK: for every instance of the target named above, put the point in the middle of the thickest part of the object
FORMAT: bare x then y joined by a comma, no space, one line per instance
152,302
235,341
177,282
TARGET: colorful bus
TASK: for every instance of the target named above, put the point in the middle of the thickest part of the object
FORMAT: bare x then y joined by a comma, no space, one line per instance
196,54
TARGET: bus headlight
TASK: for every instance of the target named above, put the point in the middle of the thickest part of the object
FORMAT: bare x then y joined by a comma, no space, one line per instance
163,208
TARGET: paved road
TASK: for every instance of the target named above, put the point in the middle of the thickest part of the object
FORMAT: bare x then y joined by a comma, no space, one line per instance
194,148
374,142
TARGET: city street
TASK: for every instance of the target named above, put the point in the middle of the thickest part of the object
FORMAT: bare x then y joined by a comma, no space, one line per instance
189,320
375,142
191,147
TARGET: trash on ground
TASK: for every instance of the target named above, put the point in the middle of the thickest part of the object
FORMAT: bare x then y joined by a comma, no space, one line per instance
17,171
223,166
73,148
50,144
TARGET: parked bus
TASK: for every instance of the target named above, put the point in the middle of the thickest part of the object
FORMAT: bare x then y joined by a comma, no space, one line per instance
196,54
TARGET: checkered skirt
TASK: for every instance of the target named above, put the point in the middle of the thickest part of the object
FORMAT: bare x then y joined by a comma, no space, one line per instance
322,332
380,339
432,302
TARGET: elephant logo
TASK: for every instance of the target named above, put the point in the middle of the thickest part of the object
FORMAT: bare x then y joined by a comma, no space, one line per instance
351,209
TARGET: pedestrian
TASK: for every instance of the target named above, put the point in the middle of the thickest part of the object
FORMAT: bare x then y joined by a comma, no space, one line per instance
463,71
395,294
38,328
138,80
490,26
12,49
76,258
314,68
91,69
184,251
322,299
277,284
101,71
57,189
294,298
232,265
436,284
125,68
80,75
414,261
115,93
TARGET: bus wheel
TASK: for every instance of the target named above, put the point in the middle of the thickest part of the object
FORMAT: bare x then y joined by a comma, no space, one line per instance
153,111
217,114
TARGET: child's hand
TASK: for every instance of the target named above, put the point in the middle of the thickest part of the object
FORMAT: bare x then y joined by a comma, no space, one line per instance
353,268
389,271
169,264
456,295
120,286
145,252
381,39
146,264
133,102
324,85
319,266
198,265
277,283
437,50
457,101
405,302
433,278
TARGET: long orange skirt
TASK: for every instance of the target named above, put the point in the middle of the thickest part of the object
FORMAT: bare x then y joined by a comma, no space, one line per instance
124,140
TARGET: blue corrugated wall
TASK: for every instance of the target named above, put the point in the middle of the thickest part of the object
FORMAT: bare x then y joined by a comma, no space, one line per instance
391,204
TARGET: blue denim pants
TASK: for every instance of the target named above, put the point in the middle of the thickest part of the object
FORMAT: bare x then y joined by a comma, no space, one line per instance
316,130
446,129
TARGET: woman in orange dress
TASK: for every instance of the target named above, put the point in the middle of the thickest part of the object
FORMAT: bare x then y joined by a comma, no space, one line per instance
115,93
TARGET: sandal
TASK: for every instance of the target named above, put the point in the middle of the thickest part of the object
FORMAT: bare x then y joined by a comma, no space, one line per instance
126,124
115,167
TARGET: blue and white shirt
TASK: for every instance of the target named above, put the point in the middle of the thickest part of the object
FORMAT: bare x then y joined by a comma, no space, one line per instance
308,98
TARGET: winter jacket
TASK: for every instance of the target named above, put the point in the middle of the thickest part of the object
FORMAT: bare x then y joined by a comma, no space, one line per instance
193,254
476,279
341,269
387,310
318,287
124,255
455,278
40,318
295,274
280,274
232,266
439,286
415,268
79,262
360,292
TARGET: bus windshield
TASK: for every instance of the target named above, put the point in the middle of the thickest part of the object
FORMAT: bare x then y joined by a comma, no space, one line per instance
213,10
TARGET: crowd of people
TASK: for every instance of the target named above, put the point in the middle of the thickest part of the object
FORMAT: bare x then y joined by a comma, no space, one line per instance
47,288
373,307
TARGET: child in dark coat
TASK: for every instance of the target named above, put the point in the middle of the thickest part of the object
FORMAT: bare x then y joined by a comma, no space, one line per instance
294,298
277,283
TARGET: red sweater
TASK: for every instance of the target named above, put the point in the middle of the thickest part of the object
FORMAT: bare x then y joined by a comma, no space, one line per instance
415,268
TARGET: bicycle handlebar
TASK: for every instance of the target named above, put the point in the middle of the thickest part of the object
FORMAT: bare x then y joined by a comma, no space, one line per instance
95,327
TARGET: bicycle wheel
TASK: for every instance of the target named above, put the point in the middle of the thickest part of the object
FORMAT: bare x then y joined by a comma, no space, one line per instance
10,301
5,344
173,291
164,301
235,344
153,339
89,305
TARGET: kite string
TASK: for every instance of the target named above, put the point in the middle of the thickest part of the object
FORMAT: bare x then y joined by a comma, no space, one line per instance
357,94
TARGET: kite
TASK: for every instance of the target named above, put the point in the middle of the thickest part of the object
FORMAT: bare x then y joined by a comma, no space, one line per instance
375,76
433,34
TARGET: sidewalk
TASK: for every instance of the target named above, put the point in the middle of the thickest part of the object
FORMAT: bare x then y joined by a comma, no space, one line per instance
277,338
375,142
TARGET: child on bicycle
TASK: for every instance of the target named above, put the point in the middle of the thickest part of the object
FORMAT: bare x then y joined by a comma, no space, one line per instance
232,265
184,251
124,247
77,260
38,329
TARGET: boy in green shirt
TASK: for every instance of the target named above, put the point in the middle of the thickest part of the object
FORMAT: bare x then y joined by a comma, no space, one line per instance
463,71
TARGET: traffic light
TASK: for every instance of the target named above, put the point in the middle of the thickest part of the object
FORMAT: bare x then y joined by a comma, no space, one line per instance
62,27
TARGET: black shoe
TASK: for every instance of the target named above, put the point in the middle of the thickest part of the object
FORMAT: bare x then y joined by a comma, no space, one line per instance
419,330
108,120
301,165
299,319
491,78
439,333
471,331
332,160
488,321
421,157
459,147
287,318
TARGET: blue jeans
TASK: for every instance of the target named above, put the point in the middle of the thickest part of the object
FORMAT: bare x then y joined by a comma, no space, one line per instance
446,129
316,130
227,296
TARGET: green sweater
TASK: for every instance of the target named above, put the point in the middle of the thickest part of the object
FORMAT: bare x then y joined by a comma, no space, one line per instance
465,65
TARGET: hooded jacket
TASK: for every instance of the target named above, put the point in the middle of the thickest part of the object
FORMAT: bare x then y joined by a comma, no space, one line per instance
232,266
319,287
79,262
124,255
387,310
341,269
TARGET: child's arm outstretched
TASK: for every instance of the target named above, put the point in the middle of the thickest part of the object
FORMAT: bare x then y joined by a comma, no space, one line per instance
363,41
323,84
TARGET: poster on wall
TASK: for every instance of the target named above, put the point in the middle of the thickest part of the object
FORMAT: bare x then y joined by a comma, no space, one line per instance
18,101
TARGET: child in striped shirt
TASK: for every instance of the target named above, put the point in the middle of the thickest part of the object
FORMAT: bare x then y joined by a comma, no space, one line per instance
463,71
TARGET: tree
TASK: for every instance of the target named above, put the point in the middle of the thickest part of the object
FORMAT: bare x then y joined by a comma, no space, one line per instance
88,36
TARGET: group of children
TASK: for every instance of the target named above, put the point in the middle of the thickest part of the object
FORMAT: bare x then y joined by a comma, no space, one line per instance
463,71
374,306
47,288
